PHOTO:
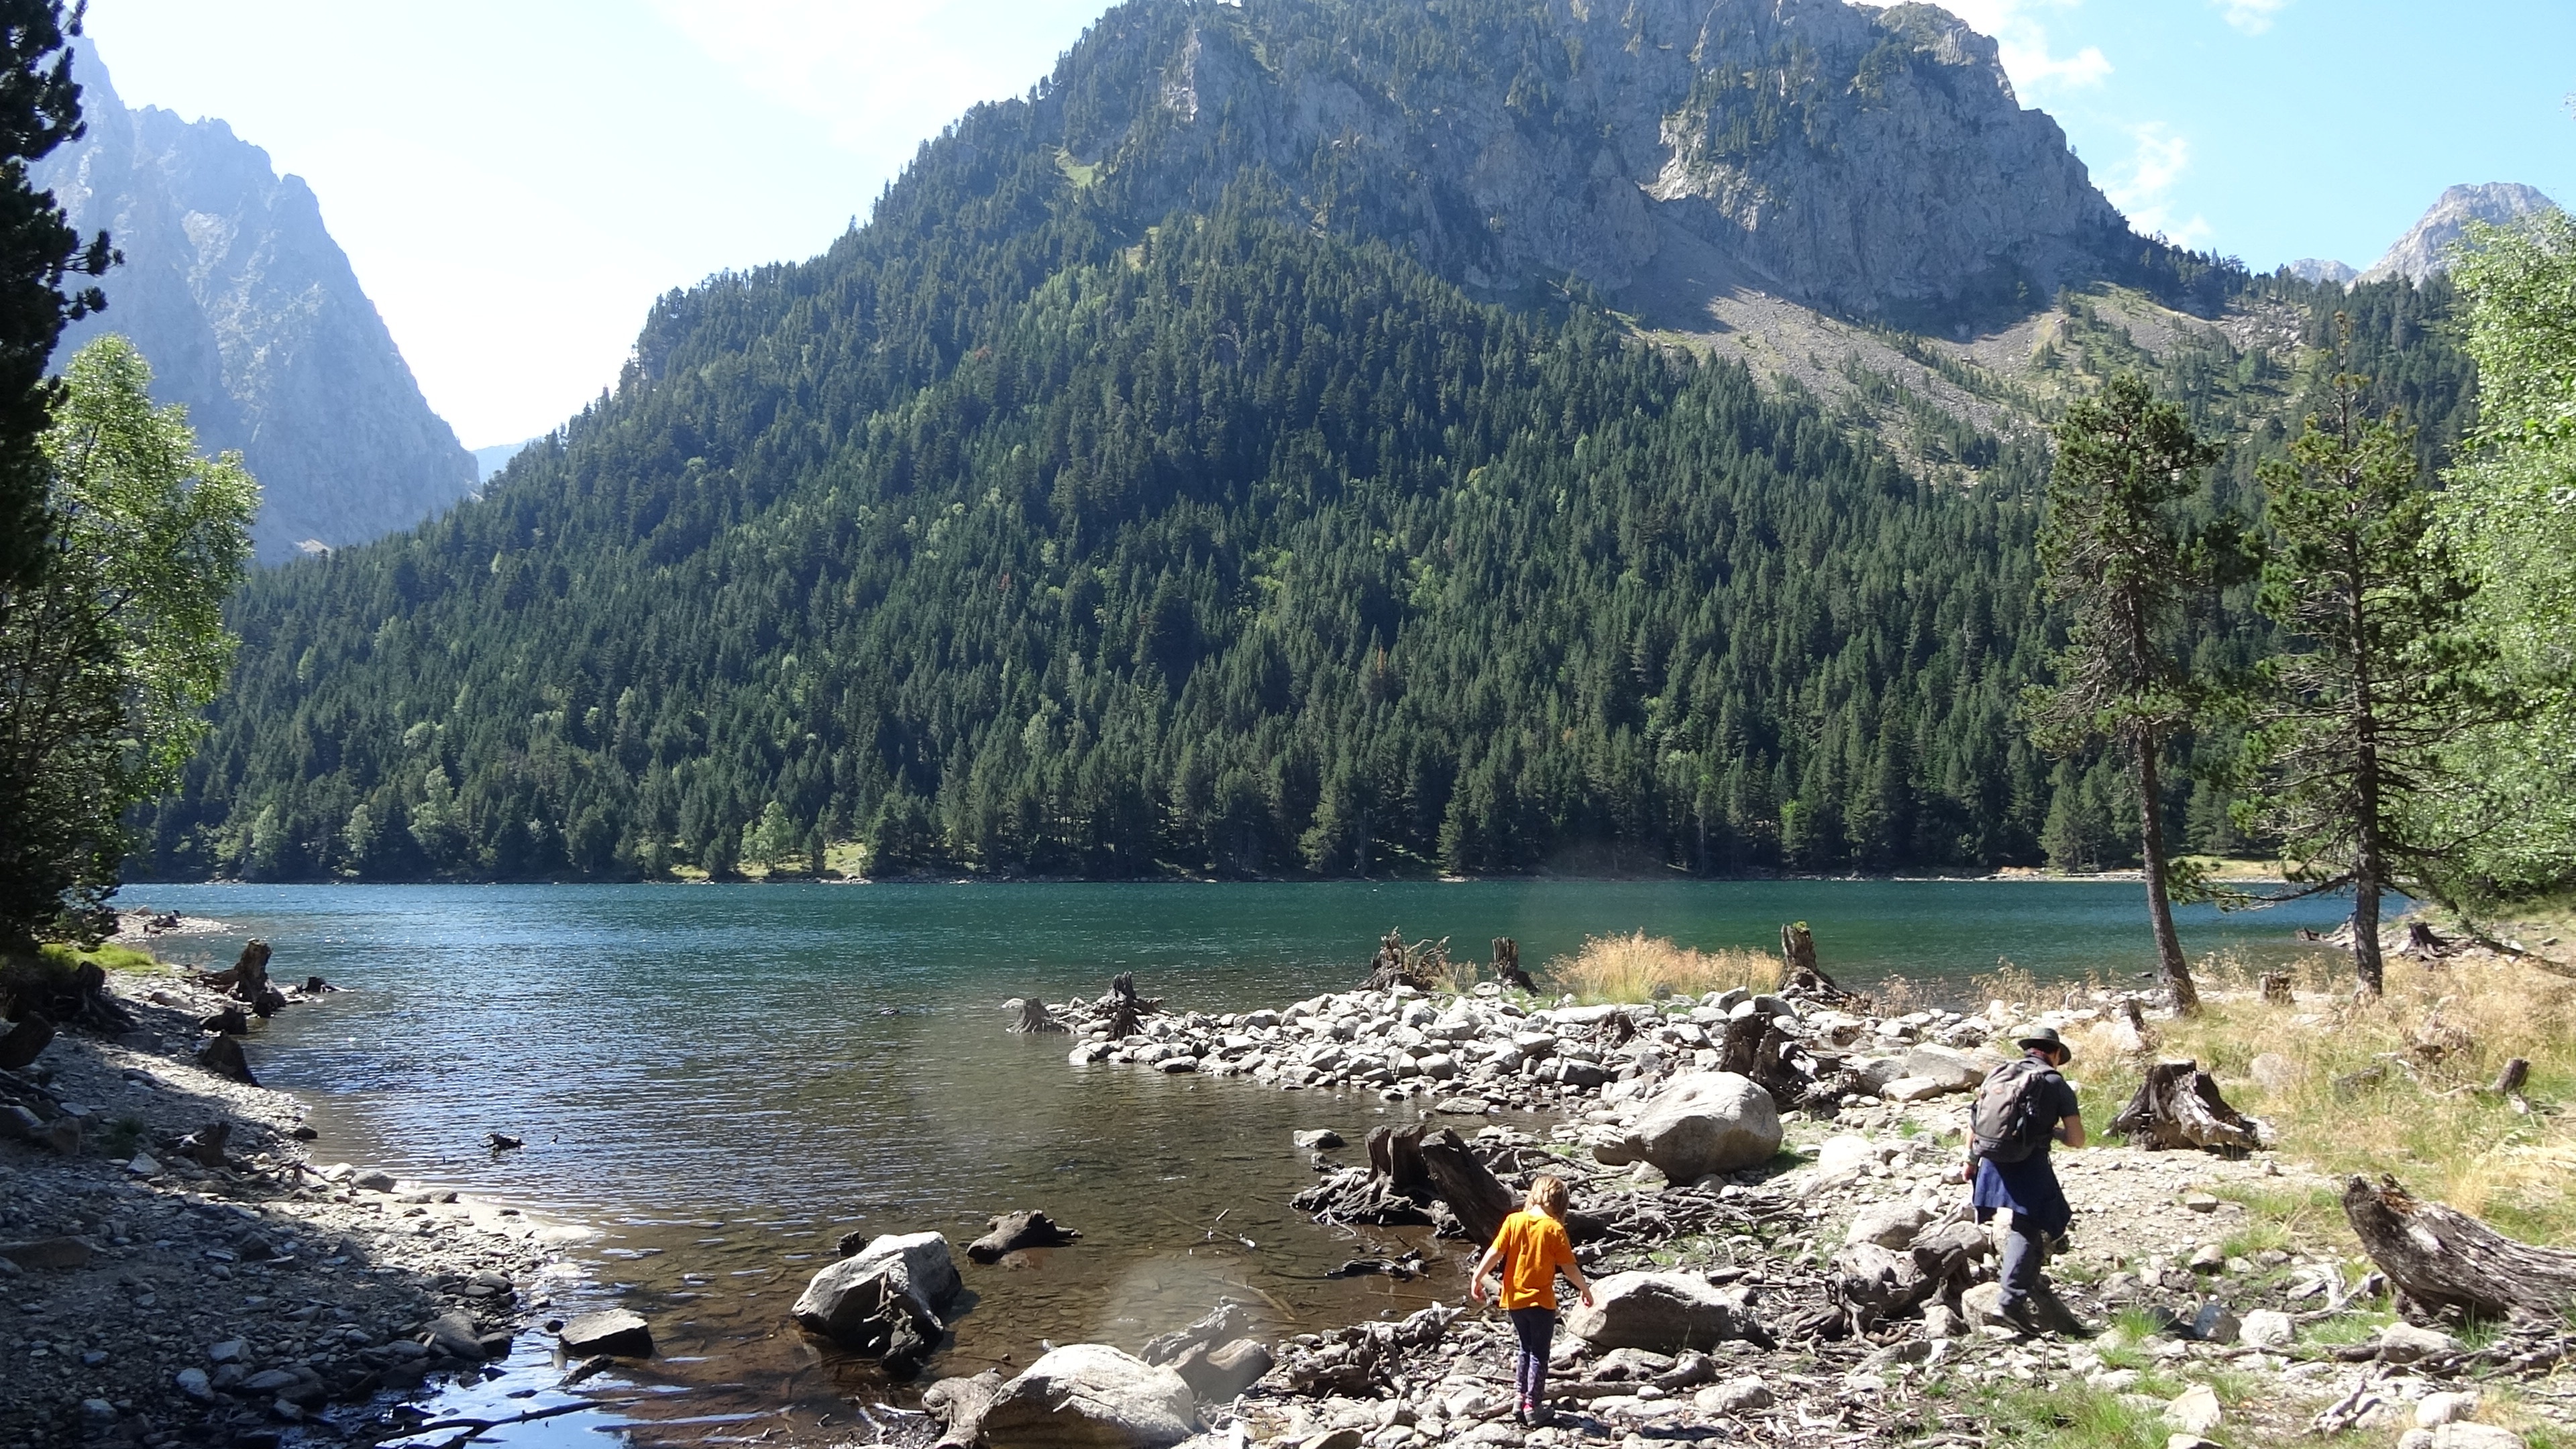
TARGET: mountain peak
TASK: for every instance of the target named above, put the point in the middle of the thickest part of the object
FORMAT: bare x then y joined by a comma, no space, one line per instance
2425,250
250,315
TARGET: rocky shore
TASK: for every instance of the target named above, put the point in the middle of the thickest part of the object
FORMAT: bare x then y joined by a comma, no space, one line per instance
1783,1253
178,1268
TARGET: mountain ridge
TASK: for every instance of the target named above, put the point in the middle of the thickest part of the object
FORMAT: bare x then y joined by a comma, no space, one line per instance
252,318
1113,504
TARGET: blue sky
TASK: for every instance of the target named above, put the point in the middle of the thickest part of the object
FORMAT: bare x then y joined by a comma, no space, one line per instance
515,182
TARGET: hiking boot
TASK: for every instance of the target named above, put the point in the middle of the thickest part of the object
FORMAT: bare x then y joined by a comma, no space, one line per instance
1540,1416
2020,1314
1524,1414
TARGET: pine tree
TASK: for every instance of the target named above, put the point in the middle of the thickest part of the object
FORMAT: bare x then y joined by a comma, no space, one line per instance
2112,550
2347,746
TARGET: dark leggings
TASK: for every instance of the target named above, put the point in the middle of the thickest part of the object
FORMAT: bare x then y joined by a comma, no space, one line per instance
1537,1329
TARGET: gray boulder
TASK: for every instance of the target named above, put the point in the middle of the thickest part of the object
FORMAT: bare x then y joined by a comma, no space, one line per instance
1091,1396
849,1301
1660,1312
615,1331
1954,1071
1217,1374
1700,1123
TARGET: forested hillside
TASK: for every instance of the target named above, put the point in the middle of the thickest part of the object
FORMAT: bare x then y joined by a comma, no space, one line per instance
1098,520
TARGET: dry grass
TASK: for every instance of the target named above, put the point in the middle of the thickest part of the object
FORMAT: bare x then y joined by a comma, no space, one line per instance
1635,966
2391,1085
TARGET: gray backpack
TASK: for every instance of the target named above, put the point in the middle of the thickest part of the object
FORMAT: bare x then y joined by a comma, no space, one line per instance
2009,1122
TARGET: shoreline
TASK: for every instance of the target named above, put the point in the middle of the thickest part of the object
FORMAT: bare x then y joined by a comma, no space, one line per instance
2253,874
176,1285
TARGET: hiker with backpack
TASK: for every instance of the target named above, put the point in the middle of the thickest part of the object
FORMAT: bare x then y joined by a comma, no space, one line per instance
2021,1108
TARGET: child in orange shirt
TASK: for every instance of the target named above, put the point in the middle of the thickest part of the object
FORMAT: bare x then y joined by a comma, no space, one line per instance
1531,1247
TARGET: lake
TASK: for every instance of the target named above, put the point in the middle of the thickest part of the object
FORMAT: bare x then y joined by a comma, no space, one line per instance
724,1079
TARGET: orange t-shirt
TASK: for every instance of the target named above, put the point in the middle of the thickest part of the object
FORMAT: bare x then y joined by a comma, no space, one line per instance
1533,1247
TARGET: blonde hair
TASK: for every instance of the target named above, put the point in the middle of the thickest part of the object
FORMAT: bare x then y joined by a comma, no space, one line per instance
1546,1195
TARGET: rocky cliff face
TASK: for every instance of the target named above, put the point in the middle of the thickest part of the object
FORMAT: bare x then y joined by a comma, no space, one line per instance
1870,161
2426,249
251,317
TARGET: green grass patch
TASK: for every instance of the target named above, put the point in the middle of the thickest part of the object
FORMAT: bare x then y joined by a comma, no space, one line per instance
2075,1416
108,956
1074,171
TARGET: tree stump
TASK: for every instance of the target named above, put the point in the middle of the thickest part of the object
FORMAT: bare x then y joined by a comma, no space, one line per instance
2443,1260
1395,1154
2509,1082
1474,1194
1507,965
1127,1010
1034,1018
2179,1106
2276,989
2423,944
1799,968
246,980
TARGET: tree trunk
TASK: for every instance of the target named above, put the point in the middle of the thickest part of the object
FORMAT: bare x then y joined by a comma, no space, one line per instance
2369,971
2179,1106
2151,842
2443,1259
1507,965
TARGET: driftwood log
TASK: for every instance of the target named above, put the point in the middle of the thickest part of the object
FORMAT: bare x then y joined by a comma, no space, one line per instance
1013,1231
2179,1106
1507,965
2441,1260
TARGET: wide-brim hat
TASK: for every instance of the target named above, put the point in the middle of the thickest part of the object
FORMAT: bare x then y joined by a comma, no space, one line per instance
2044,1036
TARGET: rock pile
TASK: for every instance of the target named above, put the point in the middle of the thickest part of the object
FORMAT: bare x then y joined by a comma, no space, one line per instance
1488,1051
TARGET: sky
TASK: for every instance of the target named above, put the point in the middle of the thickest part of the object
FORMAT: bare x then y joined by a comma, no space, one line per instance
515,183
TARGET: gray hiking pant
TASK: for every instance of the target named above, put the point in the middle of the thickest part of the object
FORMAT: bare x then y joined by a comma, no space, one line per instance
2025,1253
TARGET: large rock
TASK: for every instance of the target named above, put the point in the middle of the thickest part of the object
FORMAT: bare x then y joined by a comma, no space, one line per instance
1890,1225
24,1042
846,1301
48,1253
1663,1312
615,1331
1091,1396
1700,1123
1218,1374
223,1056
1954,1071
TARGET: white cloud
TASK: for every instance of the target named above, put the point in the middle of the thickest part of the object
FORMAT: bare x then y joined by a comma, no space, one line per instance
2022,37
2252,16
2142,186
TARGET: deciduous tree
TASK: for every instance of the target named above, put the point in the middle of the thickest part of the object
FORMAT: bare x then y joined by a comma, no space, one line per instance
109,652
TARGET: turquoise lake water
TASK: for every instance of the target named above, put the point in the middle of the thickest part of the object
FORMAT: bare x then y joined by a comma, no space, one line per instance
726,1078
